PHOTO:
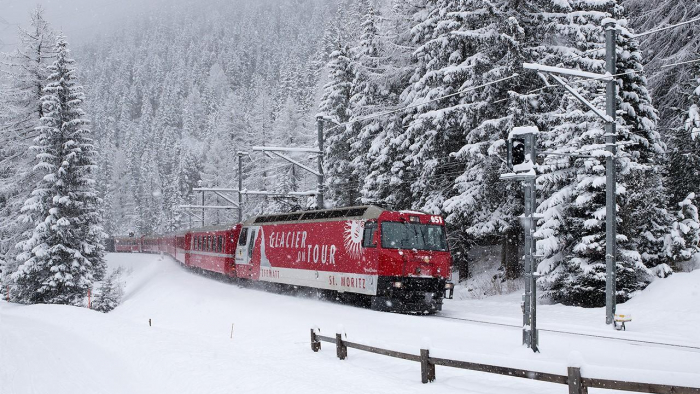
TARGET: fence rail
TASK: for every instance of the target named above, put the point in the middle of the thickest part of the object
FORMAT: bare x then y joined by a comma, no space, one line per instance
573,379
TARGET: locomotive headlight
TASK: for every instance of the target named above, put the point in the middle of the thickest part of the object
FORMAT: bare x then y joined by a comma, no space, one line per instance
398,285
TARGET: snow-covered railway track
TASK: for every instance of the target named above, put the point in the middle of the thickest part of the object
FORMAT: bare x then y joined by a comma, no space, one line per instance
629,340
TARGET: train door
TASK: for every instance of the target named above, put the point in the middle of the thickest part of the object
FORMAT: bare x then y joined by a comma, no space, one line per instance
370,242
244,251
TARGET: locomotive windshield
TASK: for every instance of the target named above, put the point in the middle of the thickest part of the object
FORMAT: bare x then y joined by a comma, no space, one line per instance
413,236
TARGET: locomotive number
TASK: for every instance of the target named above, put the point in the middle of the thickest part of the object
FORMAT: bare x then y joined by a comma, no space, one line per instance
436,219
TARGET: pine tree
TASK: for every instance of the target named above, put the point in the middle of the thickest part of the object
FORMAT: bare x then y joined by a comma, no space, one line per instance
388,181
110,292
684,148
574,206
684,242
25,71
63,255
343,188
455,133
675,45
367,96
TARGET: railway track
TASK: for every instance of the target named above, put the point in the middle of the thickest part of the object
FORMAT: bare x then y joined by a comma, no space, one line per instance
633,341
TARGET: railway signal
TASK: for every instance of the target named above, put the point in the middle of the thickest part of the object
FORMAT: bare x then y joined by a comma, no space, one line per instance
521,164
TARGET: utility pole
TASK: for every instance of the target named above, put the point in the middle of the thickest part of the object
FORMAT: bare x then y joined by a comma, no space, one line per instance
320,177
240,186
199,183
610,145
610,200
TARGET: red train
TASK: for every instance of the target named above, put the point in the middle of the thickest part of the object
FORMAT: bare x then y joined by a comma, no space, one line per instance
394,260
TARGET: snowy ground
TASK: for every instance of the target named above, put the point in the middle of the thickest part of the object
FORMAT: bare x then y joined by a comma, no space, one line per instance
58,349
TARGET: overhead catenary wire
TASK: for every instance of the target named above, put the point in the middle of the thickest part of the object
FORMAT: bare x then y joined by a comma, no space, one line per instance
693,348
665,28
462,91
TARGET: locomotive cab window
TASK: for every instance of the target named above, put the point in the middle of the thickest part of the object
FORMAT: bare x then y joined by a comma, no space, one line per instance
417,236
368,235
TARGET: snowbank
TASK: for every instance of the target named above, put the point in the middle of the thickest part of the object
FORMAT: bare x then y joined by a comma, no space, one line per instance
188,349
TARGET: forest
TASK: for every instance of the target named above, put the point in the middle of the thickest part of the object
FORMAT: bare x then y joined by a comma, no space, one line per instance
417,98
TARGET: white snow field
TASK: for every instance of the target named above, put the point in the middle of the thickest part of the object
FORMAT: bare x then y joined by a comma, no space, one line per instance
60,349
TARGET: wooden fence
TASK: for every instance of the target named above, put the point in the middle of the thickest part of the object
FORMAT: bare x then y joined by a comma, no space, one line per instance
577,384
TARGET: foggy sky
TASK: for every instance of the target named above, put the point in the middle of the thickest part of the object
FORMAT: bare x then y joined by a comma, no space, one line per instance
79,20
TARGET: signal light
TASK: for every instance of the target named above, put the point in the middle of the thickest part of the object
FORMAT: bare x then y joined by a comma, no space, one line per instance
516,152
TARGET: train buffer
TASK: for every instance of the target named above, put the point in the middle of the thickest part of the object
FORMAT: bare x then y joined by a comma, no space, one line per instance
620,320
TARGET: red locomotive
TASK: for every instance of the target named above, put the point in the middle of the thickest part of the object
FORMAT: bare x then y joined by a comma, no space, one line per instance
394,260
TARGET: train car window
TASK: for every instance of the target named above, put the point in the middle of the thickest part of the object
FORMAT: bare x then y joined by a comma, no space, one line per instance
220,246
368,235
252,244
243,237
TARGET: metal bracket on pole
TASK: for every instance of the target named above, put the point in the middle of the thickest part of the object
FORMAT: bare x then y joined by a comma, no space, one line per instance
580,98
197,218
226,198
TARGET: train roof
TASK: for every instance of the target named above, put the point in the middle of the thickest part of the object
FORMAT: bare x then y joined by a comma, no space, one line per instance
208,229
322,215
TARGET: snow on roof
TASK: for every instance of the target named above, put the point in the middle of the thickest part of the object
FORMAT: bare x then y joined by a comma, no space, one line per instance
606,21
523,130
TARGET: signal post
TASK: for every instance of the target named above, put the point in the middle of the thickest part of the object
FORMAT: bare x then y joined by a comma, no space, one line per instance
521,162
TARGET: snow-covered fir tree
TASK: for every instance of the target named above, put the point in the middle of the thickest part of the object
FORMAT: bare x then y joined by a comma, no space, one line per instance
63,254
343,188
684,238
110,292
388,181
367,93
23,75
574,205
684,147
675,45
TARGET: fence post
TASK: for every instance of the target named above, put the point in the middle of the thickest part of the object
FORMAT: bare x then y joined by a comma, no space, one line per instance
340,348
427,369
575,383
315,343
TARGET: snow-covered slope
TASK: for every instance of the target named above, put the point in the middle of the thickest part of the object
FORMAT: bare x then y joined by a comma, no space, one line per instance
59,349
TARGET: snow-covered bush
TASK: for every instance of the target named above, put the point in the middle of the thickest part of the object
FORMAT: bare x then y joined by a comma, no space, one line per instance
110,292
684,239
